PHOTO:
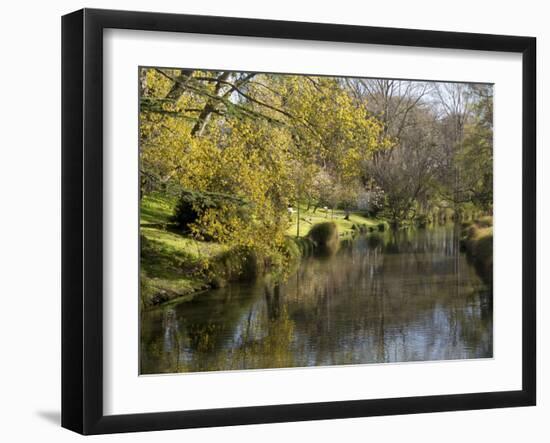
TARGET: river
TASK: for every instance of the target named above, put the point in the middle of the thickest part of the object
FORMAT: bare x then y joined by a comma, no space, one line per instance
385,297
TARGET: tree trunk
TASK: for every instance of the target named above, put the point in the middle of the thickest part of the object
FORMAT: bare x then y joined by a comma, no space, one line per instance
206,113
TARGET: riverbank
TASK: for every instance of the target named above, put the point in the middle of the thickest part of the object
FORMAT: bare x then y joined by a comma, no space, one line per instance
477,241
310,217
171,264
177,266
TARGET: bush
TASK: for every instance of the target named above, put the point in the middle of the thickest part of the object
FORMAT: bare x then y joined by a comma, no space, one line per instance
381,227
478,244
325,238
185,213
481,254
192,204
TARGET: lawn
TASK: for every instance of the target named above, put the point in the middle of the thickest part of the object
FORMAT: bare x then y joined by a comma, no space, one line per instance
156,209
310,218
171,263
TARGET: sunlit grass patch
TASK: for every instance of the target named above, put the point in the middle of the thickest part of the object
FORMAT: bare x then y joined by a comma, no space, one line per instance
156,209
308,219
172,264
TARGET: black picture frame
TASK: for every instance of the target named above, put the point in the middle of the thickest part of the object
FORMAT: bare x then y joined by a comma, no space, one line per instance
82,221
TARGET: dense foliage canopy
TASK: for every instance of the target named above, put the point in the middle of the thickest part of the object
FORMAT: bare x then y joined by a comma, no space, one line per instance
261,143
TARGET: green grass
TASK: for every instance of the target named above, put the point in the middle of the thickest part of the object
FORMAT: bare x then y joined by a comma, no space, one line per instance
156,209
308,219
156,226
177,243
170,266
171,263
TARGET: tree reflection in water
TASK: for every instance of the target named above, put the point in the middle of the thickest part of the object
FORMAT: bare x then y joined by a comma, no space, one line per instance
391,297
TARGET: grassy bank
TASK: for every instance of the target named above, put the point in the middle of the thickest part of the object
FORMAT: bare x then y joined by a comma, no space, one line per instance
177,266
309,218
172,265
478,243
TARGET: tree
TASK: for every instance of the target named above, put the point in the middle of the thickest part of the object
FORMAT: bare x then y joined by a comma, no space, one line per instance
406,172
465,157
321,188
440,152
266,139
405,176
475,156
391,101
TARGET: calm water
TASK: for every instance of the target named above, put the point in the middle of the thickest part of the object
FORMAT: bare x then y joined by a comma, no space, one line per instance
391,297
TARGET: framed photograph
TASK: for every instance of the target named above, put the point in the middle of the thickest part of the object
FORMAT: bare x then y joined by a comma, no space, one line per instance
269,221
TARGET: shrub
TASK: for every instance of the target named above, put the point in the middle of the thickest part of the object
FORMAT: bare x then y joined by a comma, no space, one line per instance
381,227
192,204
325,237
480,251
478,244
185,213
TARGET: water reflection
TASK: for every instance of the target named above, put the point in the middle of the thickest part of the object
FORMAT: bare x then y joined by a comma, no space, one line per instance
391,297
